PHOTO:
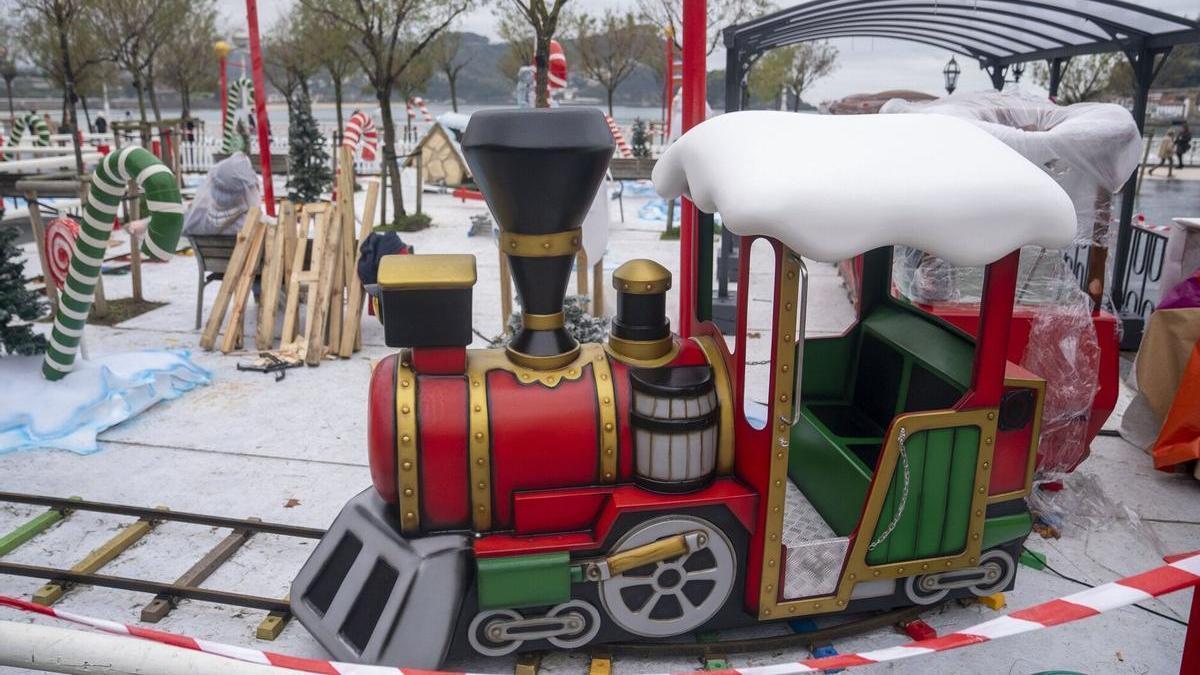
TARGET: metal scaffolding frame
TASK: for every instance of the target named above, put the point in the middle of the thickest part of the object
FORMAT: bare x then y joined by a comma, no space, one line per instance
998,34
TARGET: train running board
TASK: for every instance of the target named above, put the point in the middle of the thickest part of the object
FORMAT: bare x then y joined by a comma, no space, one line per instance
353,592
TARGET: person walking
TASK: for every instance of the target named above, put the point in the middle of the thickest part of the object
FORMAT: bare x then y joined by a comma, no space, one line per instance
1166,154
1183,142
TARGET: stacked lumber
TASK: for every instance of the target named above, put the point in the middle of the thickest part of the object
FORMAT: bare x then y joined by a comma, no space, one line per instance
308,256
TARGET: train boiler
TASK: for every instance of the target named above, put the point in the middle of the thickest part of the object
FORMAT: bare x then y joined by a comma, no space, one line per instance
552,494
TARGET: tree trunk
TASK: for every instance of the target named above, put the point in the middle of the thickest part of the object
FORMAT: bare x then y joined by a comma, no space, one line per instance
390,165
12,116
68,94
87,115
144,128
185,103
337,99
453,79
610,99
541,77
153,99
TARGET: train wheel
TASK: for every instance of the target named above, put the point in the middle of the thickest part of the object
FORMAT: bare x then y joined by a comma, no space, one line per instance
589,621
998,568
925,590
483,633
673,596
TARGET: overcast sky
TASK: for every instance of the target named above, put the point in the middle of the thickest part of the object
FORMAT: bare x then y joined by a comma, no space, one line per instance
865,64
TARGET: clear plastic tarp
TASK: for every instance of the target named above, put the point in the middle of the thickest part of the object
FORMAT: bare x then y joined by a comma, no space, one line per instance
221,203
1090,149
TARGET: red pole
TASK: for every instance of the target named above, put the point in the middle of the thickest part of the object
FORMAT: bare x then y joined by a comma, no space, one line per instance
695,35
224,93
260,106
991,346
1191,641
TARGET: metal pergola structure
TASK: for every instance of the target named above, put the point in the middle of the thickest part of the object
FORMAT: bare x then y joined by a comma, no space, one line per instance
999,34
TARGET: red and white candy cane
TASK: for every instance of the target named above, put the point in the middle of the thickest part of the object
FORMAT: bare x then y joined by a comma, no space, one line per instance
60,237
360,136
420,104
622,146
1183,572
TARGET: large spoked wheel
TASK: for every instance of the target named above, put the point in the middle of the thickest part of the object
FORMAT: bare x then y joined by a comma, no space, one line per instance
998,569
674,596
484,636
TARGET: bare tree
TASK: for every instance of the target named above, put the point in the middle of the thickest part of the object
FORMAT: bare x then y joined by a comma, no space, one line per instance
446,55
768,77
8,64
144,27
187,65
331,43
1084,78
609,48
288,59
388,36
515,31
811,62
544,22
668,16
63,44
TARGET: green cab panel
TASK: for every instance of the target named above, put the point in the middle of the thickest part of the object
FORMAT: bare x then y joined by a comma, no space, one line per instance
936,512
833,480
524,581
1004,529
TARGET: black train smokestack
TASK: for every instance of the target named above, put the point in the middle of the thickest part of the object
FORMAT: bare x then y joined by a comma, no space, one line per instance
539,171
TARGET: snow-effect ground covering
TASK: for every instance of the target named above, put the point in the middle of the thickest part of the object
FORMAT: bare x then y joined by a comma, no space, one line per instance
294,452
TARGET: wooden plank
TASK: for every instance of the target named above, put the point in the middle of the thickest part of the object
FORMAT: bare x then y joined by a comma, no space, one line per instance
315,333
133,208
39,238
208,338
600,665
505,293
310,277
291,311
337,283
598,288
272,276
245,280
270,627
528,663
351,339
581,273
162,604
30,529
129,535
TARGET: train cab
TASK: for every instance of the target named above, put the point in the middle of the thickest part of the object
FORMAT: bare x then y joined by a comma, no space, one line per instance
557,495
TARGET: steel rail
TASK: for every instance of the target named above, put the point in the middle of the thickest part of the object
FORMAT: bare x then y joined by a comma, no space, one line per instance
256,526
145,586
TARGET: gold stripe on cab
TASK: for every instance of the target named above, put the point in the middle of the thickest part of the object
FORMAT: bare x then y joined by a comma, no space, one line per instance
541,245
607,401
408,483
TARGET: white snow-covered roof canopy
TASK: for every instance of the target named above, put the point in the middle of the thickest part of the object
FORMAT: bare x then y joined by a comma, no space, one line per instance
832,187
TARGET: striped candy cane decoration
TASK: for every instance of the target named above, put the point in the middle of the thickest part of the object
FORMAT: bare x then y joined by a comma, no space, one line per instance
420,103
1182,573
108,186
361,136
29,122
622,146
240,91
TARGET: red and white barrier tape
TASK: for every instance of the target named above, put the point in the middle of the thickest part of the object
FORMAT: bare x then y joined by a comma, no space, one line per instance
1184,572
622,146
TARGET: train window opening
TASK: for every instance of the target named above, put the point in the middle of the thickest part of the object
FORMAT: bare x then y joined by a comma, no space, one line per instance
760,334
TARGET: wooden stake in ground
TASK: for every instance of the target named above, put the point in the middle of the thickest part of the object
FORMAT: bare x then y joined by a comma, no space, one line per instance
245,280
208,338
272,275
314,332
352,336
312,219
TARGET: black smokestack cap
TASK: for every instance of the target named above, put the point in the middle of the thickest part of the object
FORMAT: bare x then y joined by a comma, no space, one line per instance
539,170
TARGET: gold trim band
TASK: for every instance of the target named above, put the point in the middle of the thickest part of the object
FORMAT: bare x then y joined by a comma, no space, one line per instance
541,245
479,444
724,399
642,350
542,321
606,400
542,362
408,483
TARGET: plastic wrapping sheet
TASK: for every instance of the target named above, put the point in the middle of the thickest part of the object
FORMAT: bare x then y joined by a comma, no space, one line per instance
1083,505
1091,149
221,203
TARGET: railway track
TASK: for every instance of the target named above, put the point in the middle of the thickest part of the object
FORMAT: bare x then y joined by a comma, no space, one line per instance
709,648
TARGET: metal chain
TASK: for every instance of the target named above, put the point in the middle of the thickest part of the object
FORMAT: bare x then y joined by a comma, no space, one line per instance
902,436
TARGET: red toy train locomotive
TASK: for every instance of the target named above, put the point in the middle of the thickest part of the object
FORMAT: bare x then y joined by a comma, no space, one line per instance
553,494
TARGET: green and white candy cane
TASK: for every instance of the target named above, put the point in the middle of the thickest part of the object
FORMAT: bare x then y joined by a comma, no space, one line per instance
240,91
108,187
29,122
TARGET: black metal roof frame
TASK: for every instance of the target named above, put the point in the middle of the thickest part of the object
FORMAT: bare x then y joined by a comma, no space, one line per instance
998,32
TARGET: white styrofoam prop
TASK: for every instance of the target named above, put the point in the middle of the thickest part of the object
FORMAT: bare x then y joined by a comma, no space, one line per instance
1086,147
831,187
58,162
98,394
596,224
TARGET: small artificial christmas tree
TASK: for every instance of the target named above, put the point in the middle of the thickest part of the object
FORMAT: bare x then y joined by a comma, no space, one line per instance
309,172
18,305
641,140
